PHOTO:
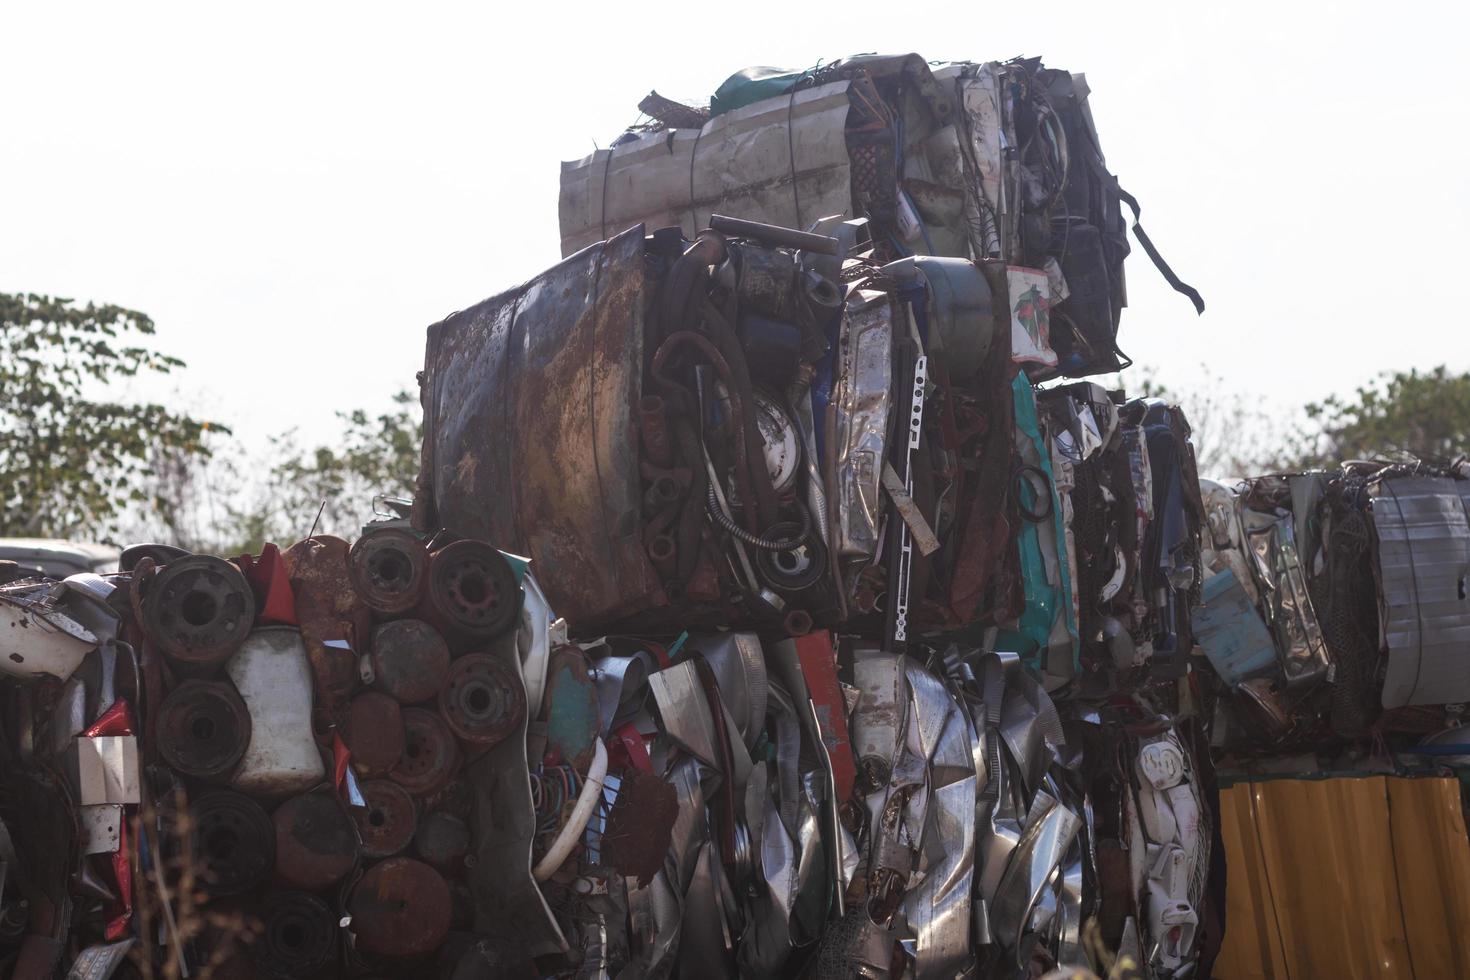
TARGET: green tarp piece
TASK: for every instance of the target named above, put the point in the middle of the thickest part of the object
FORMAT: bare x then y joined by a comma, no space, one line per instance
751,85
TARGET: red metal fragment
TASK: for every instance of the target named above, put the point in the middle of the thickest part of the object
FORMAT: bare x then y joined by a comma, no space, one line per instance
819,668
270,581
640,825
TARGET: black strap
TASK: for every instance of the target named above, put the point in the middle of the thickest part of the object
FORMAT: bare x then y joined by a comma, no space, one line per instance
1153,253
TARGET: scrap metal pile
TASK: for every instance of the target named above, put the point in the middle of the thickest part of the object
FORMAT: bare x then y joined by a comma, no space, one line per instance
1335,609
864,637
881,659
260,767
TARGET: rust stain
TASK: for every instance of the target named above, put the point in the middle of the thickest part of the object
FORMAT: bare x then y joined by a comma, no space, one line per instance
328,608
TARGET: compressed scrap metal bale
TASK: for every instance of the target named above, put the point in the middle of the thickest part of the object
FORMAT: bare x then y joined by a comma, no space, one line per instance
1423,562
529,402
997,161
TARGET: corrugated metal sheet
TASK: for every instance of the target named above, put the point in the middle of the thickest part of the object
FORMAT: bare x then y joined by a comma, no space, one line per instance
529,400
1423,562
1345,878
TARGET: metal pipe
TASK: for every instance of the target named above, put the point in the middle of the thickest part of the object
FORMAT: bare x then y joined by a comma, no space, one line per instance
774,234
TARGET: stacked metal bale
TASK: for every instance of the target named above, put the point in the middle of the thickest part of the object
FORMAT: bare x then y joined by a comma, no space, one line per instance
287,737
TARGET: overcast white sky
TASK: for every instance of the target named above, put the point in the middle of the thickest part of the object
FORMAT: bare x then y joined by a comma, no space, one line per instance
295,191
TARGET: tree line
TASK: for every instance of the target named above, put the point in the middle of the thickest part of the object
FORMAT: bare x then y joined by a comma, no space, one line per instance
77,460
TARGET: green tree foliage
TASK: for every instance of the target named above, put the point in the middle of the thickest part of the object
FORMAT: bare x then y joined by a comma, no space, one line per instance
73,458
1398,413
376,455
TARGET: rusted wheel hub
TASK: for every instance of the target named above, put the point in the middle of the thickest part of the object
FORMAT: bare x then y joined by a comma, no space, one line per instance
234,840
316,842
299,936
203,728
199,610
472,589
374,733
482,700
387,824
430,754
388,567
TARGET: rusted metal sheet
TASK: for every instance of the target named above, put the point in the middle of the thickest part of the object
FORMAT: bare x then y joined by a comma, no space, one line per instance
551,478
401,907
387,824
316,842
569,709
334,619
